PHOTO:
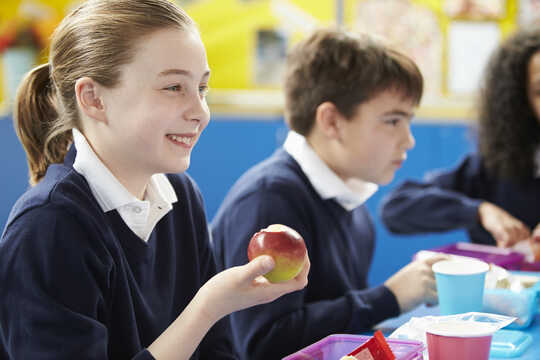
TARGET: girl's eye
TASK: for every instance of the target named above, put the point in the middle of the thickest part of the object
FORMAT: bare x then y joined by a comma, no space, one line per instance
203,90
173,88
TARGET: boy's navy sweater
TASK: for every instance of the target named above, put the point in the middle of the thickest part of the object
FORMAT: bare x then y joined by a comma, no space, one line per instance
77,283
340,246
449,200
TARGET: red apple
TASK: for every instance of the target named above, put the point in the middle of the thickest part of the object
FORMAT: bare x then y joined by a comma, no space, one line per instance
285,246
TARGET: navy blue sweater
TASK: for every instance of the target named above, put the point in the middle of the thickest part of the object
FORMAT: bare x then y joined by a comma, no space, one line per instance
449,200
77,283
340,246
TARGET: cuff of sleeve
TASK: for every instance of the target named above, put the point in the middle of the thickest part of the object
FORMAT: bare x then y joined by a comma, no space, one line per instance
143,355
469,213
371,306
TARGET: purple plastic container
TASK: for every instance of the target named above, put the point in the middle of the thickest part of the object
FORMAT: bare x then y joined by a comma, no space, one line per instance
333,347
505,258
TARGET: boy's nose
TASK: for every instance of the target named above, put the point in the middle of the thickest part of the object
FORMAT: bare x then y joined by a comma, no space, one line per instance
409,141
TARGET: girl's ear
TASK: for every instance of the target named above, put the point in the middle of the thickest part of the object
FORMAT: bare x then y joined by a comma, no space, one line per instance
328,120
89,99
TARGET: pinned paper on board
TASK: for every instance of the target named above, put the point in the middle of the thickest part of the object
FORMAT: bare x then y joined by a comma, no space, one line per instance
470,45
475,9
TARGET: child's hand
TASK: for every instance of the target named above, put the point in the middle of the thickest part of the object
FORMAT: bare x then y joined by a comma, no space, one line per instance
244,286
505,229
536,234
228,291
535,242
415,283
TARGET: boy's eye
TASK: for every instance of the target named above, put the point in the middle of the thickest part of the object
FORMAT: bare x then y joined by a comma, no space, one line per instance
392,122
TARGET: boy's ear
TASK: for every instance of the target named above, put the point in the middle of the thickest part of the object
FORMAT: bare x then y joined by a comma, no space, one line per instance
89,99
327,119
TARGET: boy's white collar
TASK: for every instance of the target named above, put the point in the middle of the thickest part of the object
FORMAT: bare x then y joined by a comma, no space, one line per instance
349,195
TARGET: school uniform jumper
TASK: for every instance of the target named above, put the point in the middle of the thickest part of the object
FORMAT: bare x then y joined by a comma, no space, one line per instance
340,244
77,283
449,200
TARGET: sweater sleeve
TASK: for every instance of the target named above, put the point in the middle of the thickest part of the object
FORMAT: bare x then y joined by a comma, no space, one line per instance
217,343
446,200
55,284
282,327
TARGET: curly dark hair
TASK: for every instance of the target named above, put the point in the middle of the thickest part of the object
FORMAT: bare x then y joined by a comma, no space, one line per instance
508,129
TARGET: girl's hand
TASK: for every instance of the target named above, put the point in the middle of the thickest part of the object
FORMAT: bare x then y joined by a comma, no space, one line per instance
244,286
230,290
505,229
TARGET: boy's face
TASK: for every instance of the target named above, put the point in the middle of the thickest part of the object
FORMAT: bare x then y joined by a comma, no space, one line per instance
158,110
374,142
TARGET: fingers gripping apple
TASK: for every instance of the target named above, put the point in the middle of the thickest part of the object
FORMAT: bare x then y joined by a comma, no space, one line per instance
285,246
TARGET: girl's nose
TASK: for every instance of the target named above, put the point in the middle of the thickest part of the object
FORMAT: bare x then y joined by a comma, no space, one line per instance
199,111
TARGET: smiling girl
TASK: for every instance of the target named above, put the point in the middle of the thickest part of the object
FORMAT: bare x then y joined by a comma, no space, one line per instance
106,256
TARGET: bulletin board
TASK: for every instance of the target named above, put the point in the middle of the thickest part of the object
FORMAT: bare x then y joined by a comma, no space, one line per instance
450,40
247,58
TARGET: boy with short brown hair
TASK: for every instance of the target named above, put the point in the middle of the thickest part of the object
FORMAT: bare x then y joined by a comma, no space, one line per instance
349,102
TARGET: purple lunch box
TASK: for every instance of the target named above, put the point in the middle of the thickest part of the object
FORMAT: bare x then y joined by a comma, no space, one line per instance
505,258
333,347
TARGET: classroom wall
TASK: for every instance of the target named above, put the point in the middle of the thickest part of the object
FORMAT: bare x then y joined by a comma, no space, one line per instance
238,27
232,144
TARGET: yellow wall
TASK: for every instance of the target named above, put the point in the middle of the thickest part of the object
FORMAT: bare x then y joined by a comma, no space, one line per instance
9,7
229,27
9,11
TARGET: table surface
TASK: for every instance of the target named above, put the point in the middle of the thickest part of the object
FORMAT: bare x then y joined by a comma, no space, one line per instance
532,352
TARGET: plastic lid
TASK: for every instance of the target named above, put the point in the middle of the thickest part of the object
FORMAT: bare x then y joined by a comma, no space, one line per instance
460,267
509,343
456,328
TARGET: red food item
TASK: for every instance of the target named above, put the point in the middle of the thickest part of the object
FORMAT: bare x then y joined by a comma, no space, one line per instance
375,348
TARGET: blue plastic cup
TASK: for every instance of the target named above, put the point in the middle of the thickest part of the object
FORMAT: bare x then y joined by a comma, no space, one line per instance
460,285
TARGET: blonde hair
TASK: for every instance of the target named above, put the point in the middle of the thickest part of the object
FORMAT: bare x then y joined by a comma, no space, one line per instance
94,41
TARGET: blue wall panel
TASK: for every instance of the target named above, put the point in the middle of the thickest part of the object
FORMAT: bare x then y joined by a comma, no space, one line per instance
437,146
14,171
226,149
231,145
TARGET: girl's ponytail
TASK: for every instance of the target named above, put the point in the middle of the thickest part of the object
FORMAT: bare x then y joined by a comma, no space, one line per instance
36,122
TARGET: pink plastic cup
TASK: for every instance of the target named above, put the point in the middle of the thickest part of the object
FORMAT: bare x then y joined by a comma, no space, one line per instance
461,340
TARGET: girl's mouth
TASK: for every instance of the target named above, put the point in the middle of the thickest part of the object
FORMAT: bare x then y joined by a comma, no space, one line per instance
186,141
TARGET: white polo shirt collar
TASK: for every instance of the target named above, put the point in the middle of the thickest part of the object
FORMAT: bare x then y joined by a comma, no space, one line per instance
140,216
328,185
